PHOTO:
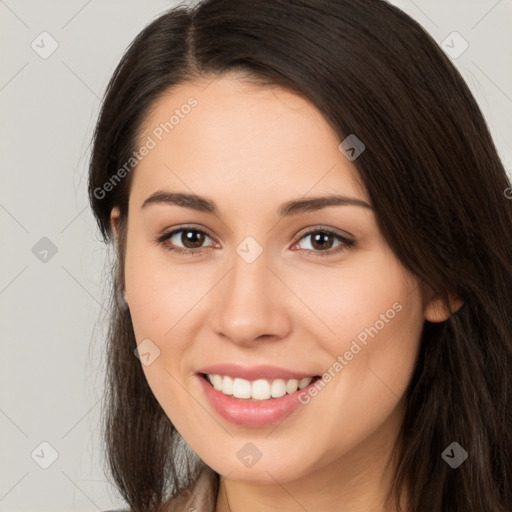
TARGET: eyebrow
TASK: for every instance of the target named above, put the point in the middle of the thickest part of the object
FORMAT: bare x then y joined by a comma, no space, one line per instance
294,207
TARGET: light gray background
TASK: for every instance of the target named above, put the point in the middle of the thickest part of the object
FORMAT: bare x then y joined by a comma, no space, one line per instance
51,340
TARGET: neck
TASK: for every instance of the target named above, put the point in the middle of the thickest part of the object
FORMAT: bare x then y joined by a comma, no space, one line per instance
357,481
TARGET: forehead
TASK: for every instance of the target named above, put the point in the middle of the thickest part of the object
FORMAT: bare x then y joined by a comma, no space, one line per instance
224,135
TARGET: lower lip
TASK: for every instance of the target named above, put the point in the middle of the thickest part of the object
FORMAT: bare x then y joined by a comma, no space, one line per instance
249,413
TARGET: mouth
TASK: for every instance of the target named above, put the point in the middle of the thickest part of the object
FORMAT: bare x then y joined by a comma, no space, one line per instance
258,390
251,403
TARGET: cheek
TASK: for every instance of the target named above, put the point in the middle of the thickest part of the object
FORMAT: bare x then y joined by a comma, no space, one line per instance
160,293
161,300
164,301
379,339
345,301
373,317
378,322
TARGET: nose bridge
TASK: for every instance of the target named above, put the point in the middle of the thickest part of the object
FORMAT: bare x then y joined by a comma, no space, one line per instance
251,302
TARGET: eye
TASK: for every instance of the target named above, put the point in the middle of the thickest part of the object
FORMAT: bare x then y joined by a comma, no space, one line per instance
191,238
322,240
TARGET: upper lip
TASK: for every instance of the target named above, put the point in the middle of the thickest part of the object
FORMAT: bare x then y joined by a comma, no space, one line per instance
253,372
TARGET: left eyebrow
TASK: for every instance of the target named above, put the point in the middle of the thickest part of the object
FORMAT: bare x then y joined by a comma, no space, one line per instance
316,203
294,207
192,201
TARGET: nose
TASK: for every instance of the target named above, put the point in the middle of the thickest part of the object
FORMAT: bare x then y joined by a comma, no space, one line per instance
252,303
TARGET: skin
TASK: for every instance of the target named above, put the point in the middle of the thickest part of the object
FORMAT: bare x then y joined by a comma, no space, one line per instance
250,149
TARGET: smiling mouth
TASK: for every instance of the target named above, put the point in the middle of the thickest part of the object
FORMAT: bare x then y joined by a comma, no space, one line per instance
257,390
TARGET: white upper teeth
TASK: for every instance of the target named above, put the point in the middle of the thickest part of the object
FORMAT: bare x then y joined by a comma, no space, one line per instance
260,389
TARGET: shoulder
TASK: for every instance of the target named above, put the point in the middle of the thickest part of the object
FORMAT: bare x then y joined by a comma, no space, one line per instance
200,495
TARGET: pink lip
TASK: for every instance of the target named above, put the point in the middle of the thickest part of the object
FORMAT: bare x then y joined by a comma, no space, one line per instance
253,372
251,413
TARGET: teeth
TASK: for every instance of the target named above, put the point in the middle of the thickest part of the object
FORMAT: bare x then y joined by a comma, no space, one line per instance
260,389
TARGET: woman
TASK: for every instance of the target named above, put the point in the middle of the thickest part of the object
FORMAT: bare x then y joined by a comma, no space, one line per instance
336,335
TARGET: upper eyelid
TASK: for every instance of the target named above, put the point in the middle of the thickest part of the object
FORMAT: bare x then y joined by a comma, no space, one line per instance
173,231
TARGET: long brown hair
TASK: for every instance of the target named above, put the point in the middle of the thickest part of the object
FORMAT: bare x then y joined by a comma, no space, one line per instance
433,174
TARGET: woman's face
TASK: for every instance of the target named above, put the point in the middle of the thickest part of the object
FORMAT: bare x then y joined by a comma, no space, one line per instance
263,287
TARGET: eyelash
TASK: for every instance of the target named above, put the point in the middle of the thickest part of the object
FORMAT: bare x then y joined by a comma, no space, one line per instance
346,243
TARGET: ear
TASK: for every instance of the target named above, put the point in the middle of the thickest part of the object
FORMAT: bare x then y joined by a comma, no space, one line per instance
115,216
114,220
436,311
